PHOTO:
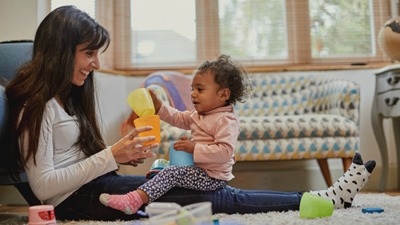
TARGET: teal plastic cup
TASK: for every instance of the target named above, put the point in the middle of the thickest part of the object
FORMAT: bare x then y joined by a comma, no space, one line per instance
179,158
312,206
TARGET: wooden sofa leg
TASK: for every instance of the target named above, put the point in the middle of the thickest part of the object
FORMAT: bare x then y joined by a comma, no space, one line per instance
346,163
323,164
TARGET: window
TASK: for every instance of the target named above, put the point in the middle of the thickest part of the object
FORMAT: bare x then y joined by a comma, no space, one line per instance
174,34
256,32
162,37
341,28
254,29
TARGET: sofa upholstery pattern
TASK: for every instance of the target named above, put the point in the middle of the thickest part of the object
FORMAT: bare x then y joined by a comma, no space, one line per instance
289,116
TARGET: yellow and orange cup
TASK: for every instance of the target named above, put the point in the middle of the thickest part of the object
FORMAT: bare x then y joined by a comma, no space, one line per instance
141,103
153,121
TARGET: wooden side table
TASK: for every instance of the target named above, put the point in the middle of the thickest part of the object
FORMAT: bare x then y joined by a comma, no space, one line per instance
386,104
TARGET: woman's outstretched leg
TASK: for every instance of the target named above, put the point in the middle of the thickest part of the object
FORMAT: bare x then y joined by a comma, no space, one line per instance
188,177
342,192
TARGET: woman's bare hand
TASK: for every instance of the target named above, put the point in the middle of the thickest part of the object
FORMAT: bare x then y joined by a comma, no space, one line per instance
128,149
134,162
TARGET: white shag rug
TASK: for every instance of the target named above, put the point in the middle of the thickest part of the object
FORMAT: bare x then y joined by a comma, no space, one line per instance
351,216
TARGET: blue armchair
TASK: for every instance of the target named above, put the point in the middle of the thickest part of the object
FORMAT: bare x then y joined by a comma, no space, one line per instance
12,55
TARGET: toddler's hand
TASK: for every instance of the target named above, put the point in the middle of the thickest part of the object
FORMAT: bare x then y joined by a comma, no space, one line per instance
185,145
156,100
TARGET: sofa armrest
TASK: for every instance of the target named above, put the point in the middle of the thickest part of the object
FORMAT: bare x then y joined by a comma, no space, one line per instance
336,96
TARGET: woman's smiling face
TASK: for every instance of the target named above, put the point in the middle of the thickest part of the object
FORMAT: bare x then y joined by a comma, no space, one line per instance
85,61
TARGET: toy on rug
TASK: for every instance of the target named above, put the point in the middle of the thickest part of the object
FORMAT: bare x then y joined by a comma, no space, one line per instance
312,206
42,215
197,213
372,210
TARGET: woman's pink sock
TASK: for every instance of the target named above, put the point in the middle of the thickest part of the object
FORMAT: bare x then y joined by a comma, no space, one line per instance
128,203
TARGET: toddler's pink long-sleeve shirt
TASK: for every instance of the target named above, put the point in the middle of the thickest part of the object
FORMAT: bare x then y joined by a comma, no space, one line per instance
215,133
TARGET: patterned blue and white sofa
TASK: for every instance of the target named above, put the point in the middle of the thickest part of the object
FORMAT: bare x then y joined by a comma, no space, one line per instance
288,116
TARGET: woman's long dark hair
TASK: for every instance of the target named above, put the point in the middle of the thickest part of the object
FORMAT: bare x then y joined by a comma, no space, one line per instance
48,75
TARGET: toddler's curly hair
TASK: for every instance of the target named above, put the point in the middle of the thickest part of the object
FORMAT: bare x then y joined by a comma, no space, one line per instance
228,74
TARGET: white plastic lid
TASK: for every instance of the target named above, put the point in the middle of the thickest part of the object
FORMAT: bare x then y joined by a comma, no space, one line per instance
162,206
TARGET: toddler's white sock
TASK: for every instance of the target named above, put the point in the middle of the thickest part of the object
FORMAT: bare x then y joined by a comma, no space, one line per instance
342,192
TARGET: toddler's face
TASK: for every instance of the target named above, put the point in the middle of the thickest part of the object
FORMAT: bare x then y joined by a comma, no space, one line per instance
206,93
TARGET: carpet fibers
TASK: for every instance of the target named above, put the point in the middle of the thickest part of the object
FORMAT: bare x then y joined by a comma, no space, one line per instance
353,215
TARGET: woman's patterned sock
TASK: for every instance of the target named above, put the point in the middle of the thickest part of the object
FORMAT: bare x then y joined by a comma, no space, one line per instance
342,192
128,203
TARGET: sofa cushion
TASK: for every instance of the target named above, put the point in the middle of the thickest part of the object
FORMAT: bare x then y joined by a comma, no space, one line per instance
296,148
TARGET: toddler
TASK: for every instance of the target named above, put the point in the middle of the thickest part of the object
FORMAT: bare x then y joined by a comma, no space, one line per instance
216,86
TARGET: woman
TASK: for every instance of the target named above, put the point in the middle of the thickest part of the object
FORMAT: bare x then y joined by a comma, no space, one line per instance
55,137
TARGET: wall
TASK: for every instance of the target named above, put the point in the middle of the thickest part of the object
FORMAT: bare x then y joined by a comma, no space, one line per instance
284,176
20,18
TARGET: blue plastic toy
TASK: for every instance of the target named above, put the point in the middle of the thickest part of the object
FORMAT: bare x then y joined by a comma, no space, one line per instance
158,165
179,158
372,210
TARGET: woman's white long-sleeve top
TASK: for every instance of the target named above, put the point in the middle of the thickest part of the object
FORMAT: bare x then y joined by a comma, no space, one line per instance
61,168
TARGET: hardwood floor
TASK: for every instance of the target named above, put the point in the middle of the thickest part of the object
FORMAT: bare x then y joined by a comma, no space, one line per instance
7,211
13,208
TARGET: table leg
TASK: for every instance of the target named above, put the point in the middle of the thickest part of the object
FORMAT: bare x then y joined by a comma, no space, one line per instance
396,132
377,125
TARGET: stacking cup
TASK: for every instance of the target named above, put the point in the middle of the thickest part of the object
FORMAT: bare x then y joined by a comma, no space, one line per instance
153,121
141,103
179,158
42,215
312,206
159,164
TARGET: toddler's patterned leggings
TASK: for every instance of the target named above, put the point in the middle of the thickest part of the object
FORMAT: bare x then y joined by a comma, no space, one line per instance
189,177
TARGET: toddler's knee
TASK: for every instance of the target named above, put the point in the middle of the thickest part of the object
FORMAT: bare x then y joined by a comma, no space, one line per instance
169,169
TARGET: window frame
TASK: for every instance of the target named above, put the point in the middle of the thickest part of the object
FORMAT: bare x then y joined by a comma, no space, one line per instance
298,33
299,37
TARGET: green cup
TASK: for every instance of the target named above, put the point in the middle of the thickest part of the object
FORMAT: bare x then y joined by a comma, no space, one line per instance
312,206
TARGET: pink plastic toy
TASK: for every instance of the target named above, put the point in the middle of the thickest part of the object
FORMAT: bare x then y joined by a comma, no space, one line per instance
42,215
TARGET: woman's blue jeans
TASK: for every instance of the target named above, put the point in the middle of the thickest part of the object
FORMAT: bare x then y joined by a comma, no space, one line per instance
84,203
